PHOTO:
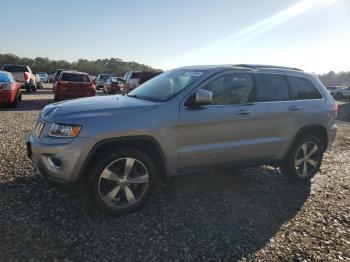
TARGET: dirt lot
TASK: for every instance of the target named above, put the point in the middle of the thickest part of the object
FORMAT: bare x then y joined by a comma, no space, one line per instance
251,214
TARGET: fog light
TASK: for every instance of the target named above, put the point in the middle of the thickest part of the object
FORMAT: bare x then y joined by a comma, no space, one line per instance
55,161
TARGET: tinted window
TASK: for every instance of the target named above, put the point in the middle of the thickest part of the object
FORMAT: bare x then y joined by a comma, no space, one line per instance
104,77
74,77
57,75
303,88
272,87
145,76
135,75
232,89
15,68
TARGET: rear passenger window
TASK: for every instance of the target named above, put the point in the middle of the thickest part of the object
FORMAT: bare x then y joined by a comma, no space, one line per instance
237,88
303,88
272,87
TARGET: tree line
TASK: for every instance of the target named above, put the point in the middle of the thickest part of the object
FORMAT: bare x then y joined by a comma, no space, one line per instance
336,79
114,66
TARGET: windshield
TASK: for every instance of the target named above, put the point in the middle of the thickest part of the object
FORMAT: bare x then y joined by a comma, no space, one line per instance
74,77
15,68
104,77
5,78
166,85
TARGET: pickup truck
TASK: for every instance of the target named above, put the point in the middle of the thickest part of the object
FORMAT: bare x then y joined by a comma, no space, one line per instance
23,75
133,79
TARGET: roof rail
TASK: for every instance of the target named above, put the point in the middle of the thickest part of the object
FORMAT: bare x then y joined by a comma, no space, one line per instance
252,66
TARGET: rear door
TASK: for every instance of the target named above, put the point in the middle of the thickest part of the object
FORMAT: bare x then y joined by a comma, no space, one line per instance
222,132
276,116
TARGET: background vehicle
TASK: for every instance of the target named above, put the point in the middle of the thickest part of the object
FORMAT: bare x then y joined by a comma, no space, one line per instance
22,74
93,79
10,90
339,92
44,77
112,86
133,79
57,75
101,80
73,84
185,120
39,81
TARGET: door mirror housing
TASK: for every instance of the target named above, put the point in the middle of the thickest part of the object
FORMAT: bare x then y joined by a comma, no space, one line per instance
200,98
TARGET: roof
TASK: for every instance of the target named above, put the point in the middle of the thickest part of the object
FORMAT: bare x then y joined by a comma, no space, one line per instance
74,72
257,66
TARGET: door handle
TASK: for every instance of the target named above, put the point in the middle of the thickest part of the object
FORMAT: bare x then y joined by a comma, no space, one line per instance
243,112
294,108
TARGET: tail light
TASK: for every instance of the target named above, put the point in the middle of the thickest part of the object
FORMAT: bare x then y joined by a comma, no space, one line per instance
335,107
26,76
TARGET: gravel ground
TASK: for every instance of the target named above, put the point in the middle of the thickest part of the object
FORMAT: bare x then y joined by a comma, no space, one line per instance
251,214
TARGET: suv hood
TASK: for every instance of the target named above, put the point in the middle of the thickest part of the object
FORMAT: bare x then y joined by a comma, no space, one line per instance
98,106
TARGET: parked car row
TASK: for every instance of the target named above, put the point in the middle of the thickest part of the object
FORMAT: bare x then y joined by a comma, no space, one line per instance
10,89
339,92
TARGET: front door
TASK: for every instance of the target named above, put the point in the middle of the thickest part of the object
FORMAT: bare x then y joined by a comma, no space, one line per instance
222,132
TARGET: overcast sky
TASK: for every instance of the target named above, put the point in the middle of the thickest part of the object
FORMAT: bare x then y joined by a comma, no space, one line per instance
310,34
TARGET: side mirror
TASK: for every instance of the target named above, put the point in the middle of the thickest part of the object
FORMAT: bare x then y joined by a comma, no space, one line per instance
200,98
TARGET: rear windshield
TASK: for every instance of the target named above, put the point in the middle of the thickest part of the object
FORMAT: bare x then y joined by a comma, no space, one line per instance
15,68
5,78
74,77
104,77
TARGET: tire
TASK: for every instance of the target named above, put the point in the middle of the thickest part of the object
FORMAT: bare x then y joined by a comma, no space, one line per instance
338,96
14,104
293,166
56,99
20,96
115,194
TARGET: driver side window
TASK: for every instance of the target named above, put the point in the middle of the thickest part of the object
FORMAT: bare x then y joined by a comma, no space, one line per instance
230,89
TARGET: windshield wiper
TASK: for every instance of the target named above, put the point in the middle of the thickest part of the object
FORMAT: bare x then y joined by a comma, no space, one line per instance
136,96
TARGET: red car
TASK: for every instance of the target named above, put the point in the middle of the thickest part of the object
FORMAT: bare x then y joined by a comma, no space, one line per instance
10,90
112,85
73,84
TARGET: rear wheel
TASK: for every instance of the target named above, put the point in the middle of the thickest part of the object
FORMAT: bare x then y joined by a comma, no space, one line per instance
304,159
122,181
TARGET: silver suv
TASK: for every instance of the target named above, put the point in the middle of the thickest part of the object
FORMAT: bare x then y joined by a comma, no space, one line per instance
185,120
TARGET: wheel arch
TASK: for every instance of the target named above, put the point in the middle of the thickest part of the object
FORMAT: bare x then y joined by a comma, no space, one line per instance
146,144
317,130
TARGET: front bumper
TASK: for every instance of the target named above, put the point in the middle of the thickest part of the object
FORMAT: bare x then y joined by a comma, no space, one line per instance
71,154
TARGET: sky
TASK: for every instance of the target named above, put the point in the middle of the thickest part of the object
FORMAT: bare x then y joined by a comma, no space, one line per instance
313,35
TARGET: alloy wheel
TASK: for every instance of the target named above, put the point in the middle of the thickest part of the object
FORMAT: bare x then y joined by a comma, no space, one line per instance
307,159
123,182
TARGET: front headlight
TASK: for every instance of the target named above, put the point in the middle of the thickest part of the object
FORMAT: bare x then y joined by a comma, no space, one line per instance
62,130
7,87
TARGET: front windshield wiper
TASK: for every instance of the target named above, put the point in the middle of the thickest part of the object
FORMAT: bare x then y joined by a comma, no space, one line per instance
136,96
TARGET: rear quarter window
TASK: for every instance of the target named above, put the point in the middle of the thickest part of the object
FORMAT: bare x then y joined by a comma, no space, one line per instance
74,77
303,88
15,68
272,87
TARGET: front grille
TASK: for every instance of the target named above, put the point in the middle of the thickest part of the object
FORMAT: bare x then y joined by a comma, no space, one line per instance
38,129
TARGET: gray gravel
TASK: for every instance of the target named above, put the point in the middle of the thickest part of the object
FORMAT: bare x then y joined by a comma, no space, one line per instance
251,214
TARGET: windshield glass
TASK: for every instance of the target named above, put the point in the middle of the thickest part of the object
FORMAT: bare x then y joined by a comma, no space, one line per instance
104,77
15,68
166,85
74,77
5,78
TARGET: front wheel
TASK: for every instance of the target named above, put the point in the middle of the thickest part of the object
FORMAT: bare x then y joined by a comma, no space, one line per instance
122,181
304,159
